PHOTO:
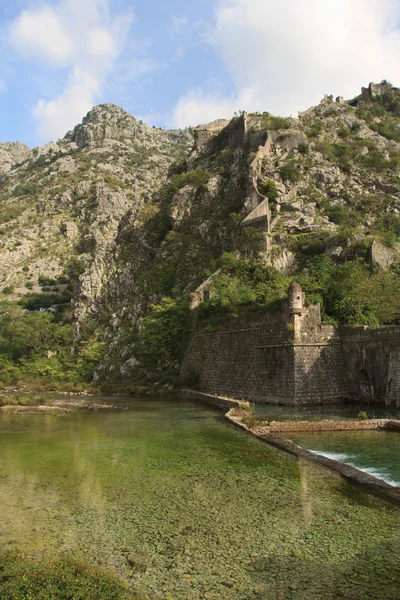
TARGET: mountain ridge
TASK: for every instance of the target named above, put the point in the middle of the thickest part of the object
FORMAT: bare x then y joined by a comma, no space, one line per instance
118,215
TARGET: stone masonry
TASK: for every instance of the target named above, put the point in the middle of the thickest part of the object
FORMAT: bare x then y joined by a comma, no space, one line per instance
290,357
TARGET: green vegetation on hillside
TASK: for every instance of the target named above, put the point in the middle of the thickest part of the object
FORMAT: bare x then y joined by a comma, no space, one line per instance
37,348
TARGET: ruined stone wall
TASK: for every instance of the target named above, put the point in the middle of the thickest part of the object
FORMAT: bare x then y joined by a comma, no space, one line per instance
237,131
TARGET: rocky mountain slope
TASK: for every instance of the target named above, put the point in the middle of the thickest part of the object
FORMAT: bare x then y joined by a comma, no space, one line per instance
61,204
119,224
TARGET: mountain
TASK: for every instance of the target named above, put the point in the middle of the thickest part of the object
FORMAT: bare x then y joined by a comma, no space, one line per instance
62,203
117,225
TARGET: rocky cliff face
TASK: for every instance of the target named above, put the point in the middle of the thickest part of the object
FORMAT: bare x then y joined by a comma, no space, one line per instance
61,204
119,215
12,153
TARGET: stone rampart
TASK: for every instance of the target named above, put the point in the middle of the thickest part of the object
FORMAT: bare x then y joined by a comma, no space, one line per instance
231,359
289,357
372,363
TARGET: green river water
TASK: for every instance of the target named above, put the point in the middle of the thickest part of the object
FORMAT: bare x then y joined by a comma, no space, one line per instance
181,505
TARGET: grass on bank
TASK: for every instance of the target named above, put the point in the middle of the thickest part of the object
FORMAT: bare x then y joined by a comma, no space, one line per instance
21,578
18,400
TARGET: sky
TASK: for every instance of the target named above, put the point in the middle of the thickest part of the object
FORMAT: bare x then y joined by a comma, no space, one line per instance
175,63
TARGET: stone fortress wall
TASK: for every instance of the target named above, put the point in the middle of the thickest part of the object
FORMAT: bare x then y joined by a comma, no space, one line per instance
289,357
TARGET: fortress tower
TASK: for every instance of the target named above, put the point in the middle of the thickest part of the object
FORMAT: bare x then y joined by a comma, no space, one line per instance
296,304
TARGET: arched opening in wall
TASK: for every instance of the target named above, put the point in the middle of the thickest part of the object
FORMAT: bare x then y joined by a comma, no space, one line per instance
366,387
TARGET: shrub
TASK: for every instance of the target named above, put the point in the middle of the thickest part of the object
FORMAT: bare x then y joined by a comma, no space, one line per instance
37,301
303,148
362,415
47,281
268,188
340,215
289,172
316,129
326,148
275,123
8,290
390,239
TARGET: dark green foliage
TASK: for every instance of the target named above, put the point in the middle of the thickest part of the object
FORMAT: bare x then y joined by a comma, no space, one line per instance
225,160
250,241
303,148
275,123
290,172
391,102
36,301
196,178
47,281
268,188
28,189
9,212
178,167
245,282
39,345
387,109
74,270
351,293
343,215
389,226
316,128
326,148
8,290
23,334
162,339
57,579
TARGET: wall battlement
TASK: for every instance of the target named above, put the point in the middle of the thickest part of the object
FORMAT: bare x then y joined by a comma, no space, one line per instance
290,357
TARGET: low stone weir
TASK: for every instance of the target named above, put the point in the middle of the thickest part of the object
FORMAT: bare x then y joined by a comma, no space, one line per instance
212,400
326,425
237,413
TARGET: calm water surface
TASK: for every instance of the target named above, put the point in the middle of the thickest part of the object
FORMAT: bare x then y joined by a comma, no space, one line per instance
317,413
201,510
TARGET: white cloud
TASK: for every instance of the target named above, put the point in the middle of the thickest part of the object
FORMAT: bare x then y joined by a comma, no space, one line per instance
198,107
290,53
78,35
101,43
177,23
66,110
41,33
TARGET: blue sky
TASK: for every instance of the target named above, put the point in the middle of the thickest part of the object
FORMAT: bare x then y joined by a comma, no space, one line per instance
176,63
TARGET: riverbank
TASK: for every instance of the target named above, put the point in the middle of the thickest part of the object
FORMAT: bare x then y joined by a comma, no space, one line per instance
238,412
33,403
180,504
